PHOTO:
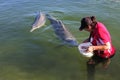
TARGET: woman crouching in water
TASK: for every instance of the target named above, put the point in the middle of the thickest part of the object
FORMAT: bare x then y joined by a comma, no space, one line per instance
102,47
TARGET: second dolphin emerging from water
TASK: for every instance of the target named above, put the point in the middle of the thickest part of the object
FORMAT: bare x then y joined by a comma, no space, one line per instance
62,32
39,21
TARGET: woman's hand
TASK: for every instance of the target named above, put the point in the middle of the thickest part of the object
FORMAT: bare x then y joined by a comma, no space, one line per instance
90,49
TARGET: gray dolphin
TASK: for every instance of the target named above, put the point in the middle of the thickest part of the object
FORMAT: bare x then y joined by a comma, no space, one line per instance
61,31
39,21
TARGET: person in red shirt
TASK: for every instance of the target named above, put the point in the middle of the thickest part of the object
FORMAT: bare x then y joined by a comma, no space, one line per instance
100,38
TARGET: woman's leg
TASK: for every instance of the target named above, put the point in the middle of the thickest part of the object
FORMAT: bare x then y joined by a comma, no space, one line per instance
90,71
91,67
106,63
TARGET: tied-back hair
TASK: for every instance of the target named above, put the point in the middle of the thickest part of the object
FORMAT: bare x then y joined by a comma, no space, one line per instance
94,22
93,18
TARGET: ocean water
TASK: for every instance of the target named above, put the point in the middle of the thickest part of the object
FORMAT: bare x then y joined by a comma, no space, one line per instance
38,55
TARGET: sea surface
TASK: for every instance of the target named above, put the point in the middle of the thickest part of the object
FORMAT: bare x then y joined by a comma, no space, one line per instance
39,55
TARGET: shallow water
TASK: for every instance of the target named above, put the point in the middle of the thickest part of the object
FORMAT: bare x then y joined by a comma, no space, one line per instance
37,55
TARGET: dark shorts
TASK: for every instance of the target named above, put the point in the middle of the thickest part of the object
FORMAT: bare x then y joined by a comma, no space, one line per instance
99,59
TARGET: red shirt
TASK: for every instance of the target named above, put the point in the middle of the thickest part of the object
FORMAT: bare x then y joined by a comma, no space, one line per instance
100,36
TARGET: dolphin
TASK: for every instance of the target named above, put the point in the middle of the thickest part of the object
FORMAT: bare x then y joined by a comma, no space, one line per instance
61,31
39,21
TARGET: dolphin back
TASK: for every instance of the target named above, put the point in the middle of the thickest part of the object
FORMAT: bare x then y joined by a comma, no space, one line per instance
62,32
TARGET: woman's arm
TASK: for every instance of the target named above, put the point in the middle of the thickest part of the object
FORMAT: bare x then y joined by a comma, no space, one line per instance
86,40
100,47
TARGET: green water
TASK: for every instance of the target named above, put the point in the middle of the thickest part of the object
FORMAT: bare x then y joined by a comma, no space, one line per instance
37,55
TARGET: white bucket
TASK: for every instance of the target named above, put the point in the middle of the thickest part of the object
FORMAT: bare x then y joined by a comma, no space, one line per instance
83,47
